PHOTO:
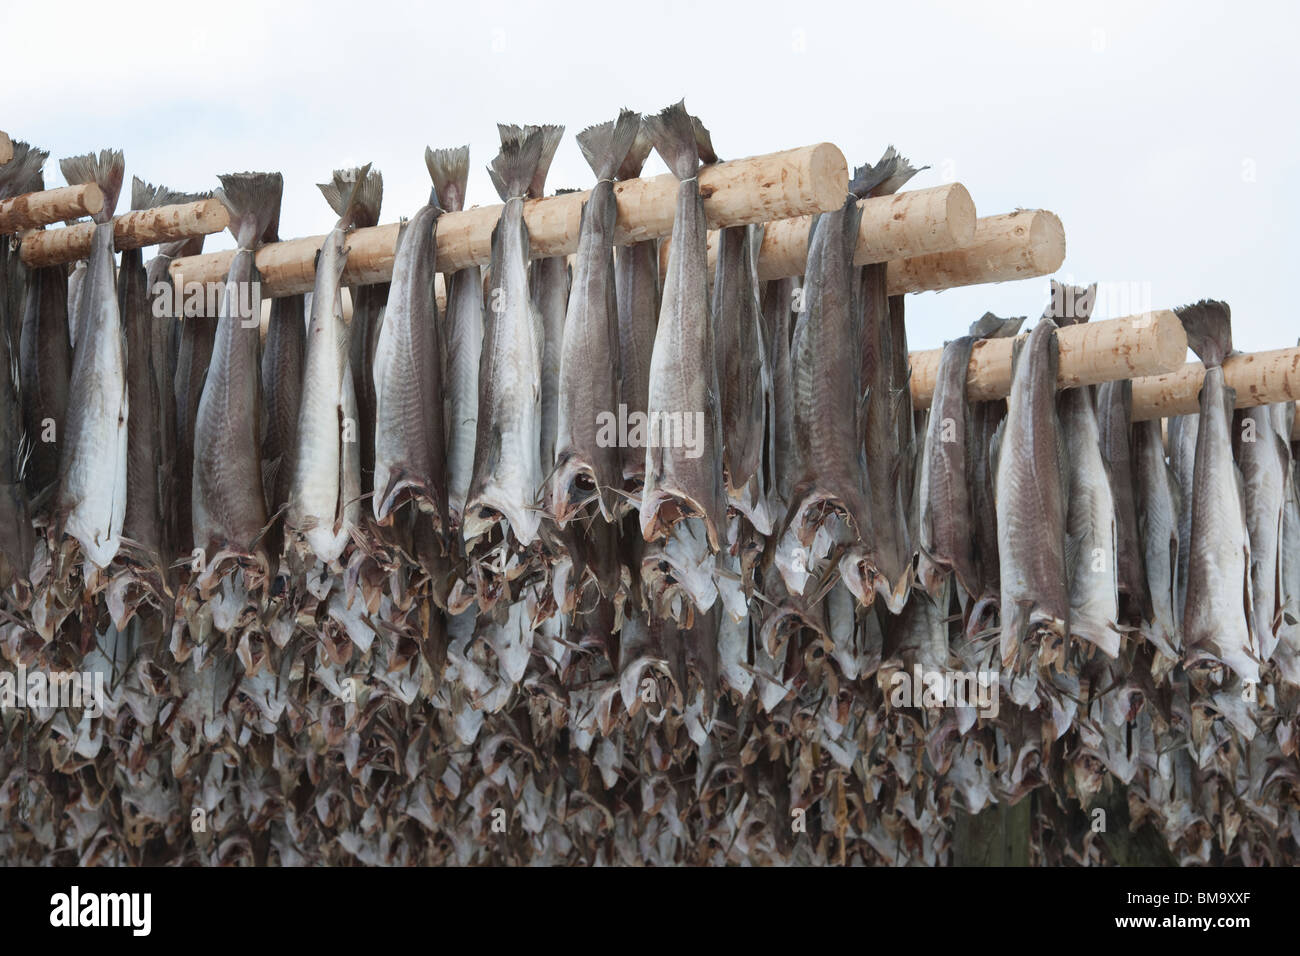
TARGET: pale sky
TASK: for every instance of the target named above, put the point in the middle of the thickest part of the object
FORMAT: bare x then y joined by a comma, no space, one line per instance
1165,136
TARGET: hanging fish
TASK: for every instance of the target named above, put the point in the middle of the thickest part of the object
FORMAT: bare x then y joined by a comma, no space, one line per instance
1218,618
324,503
464,336
1090,521
507,475
886,414
45,369
947,525
92,468
1114,417
636,274
1183,432
1031,507
228,502
283,357
1260,435
1157,509
588,467
683,470
409,442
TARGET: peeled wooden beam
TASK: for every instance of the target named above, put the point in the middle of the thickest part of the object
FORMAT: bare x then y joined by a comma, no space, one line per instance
132,230
6,148
34,210
1017,245
781,185
912,223
1091,353
1259,378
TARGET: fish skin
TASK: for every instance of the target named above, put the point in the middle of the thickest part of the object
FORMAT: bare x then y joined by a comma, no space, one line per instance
1183,432
282,368
744,373
1265,464
1031,507
1218,618
825,370
1090,525
368,303
590,372
636,278
449,169
194,355
1091,503
46,366
91,501
227,499
507,474
323,498
947,526
550,283
683,368
409,432
1114,417
1157,510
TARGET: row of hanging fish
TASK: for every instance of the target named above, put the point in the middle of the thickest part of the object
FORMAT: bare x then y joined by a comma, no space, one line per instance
599,565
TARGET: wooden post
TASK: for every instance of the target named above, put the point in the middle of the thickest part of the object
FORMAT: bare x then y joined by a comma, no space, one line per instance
1091,353
6,148
996,836
781,185
1018,245
34,210
131,230
1259,378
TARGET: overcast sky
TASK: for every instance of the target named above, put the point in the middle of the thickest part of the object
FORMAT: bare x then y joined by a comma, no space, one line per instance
1164,135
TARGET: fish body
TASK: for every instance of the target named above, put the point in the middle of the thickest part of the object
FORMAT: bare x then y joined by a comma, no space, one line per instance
550,281
323,497
1031,505
1264,457
228,501
1114,417
947,528
1157,509
409,432
1183,434
683,472
588,463
1218,616
46,366
507,474
93,464
282,368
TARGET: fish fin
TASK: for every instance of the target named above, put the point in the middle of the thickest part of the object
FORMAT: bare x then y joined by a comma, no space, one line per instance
704,142
637,154
22,174
449,170
106,170
1070,304
1208,325
253,201
514,167
606,145
989,326
885,177
676,139
355,195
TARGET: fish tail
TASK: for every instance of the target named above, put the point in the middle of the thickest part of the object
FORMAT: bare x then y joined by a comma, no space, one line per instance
355,195
551,136
1208,325
449,170
989,326
253,201
22,174
105,170
1070,304
885,177
514,169
148,196
677,138
636,155
606,145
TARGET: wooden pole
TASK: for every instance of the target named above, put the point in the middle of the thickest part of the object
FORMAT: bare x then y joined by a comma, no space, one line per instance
1017,245
1091,353
6,148
34,210
781,185
912,223
132,230
1259,378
